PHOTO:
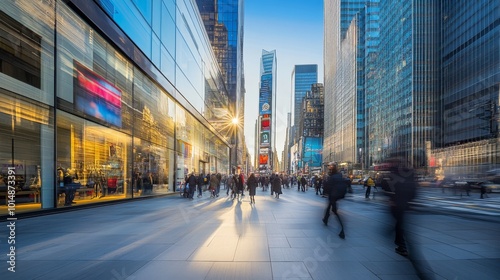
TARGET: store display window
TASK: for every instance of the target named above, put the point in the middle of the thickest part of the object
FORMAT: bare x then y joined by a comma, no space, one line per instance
22,125
151,173
92,161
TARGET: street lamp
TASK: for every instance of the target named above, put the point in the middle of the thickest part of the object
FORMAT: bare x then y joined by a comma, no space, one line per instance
235,122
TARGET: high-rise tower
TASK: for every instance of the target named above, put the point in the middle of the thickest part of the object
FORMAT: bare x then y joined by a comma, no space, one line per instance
303,76
267,111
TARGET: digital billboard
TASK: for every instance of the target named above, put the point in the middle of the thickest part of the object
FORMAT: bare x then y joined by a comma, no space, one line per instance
263,158
264,139
265,124
265,95
96,97
312,152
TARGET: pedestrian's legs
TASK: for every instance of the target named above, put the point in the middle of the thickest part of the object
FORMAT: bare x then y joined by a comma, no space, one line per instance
368,189
327,213
334,210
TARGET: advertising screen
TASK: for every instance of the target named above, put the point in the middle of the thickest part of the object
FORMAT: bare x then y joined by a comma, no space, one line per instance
263,158
265,124
313,148
264,139
96,97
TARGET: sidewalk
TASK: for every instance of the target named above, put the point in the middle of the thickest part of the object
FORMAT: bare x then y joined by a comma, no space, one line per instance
175,238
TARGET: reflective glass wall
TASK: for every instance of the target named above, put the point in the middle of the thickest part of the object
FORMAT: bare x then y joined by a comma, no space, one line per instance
83,123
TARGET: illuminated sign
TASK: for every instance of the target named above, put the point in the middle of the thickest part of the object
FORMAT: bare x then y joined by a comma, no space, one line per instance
264,138
96,97
263,158
265,124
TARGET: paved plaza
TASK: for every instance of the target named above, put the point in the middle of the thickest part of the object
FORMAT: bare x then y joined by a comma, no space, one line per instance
175,238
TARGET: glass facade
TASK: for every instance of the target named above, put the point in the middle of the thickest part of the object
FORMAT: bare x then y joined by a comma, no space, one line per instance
223,20
430,86
468,139
345,64
88,119
303,77
267,111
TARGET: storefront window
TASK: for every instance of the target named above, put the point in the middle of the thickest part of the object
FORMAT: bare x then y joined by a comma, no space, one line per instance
151,174
23,132
92,162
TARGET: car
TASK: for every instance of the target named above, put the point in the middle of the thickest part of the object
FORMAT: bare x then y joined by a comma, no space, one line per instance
358,181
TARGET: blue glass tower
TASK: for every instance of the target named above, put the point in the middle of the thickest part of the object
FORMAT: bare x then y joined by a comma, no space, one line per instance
303,77
267,112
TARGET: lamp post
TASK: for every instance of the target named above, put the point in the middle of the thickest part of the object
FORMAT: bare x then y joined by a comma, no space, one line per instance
235,124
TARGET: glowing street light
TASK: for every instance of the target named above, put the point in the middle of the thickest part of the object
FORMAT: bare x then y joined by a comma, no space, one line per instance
235,122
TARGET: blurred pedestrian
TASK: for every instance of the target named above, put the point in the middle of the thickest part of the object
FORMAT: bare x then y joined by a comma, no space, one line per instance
230,183
252,186
212,185
200,181
401,178
191,183
369,184
303,183
276,185
337,187
219,179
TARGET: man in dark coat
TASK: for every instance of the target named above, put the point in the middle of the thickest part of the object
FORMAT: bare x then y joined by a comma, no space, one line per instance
332,184
192,181
252,186
276,185
401,180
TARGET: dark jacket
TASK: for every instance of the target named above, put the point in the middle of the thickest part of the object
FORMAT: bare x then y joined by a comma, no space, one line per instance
252,185
192,182
336,186
276,185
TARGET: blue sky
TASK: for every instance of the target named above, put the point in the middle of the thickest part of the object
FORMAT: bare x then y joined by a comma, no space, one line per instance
293,28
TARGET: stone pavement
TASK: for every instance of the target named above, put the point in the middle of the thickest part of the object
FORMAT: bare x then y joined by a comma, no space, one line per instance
175,238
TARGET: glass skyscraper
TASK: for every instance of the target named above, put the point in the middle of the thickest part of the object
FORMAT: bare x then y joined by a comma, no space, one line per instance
431,83
223,20
267,112
470,55
303,77
350,45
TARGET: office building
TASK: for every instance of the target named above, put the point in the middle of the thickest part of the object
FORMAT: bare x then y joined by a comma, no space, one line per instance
223,20
303,76
267,112
311,125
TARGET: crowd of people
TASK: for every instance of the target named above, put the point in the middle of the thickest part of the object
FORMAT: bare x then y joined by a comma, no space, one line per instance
333,185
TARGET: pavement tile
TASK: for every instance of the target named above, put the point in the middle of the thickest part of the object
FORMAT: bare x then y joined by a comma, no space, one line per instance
240,270
178,270
174,238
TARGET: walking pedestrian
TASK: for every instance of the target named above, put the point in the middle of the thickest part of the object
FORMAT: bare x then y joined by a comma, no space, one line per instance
219,179
230,183
252,184
212,185
337,187
401,178
192,182
369,184
200,181
276,185
303,182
